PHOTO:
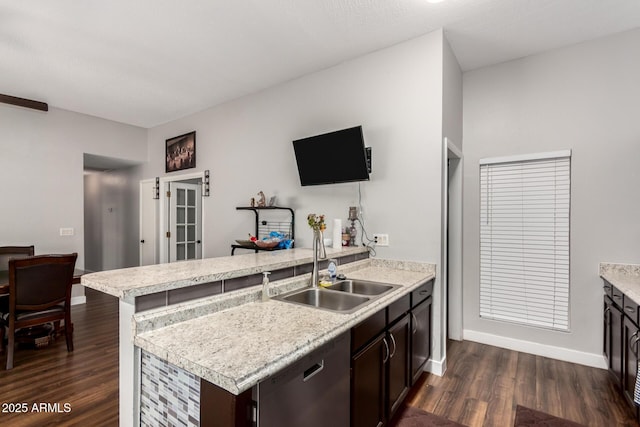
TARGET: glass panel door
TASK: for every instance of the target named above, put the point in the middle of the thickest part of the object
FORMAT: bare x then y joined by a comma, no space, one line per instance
184,217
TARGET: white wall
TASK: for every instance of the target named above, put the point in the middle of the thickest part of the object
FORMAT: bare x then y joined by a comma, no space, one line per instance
583,98
395,94
452,97
41,170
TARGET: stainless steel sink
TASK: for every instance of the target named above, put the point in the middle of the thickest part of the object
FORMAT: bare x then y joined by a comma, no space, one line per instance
344,296
326,299
361,287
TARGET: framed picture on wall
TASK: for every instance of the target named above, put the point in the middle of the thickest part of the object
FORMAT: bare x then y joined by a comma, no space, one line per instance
181,152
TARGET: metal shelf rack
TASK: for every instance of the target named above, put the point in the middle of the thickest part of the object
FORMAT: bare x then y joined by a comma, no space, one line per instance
264,227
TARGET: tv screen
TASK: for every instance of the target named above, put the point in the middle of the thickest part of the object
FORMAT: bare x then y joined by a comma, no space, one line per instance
331,158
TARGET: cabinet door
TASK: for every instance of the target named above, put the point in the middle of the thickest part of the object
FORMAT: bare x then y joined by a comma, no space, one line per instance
615,331
399,381
420,338
630,358
368,384
606,339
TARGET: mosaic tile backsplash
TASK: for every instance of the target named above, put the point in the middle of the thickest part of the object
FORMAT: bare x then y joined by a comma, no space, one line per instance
169,396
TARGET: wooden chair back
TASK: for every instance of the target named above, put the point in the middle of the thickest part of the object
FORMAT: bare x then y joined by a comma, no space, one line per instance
8,252
39,282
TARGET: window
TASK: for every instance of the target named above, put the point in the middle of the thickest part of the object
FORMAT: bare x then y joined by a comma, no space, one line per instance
524,239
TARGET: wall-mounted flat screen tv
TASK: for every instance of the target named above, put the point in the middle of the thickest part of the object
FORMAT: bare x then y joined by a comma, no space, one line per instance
333,157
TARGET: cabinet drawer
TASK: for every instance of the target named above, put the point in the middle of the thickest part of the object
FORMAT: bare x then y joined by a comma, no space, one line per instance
630,309
399,308
367,330
425,290
617,296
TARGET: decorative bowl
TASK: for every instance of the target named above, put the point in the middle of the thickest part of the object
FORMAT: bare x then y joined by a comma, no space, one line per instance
247,243
266,244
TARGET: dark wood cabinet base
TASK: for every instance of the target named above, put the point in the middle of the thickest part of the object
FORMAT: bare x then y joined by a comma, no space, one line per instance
219,408
621,341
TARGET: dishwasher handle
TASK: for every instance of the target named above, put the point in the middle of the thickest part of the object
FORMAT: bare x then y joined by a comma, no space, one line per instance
312,371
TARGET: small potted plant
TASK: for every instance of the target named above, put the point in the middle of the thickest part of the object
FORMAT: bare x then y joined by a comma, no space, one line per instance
316,222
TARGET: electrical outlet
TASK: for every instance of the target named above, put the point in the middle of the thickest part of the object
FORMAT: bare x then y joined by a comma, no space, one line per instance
381,239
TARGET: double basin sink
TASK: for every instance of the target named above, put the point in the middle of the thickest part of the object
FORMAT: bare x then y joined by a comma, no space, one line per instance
344,296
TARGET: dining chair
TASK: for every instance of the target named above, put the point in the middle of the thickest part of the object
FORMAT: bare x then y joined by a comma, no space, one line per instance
6,253
39,293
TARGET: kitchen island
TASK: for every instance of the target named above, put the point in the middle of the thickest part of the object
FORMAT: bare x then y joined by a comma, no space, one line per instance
231,339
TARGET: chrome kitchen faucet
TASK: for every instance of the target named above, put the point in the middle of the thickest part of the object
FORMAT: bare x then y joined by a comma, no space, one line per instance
319,252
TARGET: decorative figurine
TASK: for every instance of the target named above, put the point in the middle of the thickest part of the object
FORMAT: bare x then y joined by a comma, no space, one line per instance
262,200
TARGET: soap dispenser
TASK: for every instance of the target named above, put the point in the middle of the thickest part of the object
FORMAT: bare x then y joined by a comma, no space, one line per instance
332,269
265,285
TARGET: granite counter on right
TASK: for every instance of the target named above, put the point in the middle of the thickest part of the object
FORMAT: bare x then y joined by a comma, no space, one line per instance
625,277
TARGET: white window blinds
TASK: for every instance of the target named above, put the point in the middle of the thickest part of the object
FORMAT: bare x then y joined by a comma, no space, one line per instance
524,239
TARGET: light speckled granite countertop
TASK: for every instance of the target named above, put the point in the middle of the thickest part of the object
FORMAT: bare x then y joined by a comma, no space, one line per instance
625,277
131,282
234,341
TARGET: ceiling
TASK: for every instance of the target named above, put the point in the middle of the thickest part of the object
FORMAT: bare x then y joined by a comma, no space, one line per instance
147,62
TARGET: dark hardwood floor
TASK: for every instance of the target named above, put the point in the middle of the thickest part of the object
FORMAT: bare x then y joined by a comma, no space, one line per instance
86,379
483,385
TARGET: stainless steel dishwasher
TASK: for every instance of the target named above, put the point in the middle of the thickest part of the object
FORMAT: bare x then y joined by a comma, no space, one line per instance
313,391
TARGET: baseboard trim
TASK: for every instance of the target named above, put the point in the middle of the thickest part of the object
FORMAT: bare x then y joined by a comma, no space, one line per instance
553,352
435,367
81,299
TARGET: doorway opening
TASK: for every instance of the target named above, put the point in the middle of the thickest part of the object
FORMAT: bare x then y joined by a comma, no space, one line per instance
452,253
448,296
109,232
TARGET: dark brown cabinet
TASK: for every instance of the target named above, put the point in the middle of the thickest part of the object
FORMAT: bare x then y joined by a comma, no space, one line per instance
380,370
420,329
399,337
368,384
390,350
630,340
621,343
613,337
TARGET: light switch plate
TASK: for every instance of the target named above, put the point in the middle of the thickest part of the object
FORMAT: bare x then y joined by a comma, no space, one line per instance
67,231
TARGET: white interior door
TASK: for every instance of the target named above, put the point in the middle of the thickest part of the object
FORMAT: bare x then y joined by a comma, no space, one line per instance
185,224
148,223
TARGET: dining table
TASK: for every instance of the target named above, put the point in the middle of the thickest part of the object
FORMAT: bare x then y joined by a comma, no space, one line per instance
4,279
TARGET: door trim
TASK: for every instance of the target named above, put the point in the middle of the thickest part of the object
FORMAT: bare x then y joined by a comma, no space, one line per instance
141,220
452,246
